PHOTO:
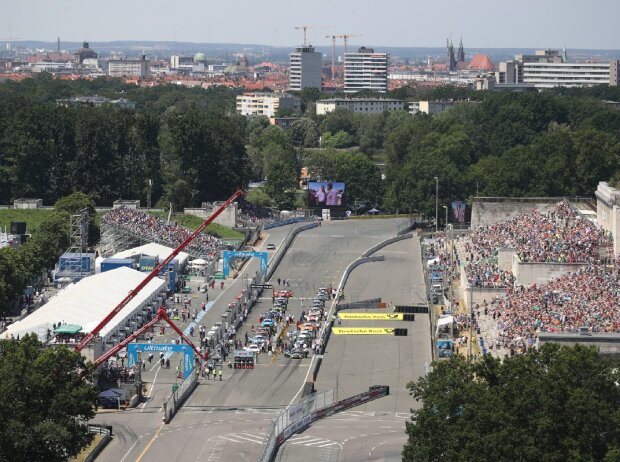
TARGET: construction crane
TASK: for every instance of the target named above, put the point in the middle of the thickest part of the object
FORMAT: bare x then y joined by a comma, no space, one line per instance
347,37
333,37
160,315
305,28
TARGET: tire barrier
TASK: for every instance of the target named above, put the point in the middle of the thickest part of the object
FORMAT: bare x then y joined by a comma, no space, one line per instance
411,309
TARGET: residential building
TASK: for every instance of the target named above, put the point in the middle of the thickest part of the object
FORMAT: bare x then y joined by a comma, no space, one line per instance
128,67
435,107
181,62
96,101
305,68
359,105
265,104
365,70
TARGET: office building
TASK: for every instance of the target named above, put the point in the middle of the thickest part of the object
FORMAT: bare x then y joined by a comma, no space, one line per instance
266,104
550,68
365,70
359,105
305,68
128,67
435,107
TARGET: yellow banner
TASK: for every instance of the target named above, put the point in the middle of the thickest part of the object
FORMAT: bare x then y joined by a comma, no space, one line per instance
363,331
372,316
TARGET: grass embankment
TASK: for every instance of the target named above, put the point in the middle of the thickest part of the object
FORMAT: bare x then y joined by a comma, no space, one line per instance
32,218
84,453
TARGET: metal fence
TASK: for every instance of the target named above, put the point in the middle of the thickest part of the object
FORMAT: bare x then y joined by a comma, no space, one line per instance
294,418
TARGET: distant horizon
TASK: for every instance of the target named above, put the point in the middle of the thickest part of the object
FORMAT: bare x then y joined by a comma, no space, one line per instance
280,24
279,47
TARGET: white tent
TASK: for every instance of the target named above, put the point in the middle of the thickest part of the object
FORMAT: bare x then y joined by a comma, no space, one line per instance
153,250
446,320
88,301
198,262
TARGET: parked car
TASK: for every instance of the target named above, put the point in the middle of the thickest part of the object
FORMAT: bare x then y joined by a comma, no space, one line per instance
268,322
253,348
271,247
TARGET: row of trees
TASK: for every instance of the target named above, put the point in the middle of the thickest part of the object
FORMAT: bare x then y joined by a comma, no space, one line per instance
555,143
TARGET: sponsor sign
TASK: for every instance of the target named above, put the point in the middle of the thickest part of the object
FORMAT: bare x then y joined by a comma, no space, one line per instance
363,330
372,316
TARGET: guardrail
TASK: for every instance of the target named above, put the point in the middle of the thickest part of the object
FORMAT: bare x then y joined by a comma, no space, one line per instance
178,397
106,431
288,221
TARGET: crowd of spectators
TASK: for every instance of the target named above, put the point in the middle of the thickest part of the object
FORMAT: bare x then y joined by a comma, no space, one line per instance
559,236
252,214
159,230
586,298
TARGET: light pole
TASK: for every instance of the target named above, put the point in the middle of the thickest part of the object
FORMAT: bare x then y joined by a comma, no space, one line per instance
436,203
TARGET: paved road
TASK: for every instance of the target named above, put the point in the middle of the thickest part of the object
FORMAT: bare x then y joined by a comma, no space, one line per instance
134,427
229,420
352,363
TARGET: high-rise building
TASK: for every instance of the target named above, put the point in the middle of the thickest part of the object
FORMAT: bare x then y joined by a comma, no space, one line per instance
305,70
365,70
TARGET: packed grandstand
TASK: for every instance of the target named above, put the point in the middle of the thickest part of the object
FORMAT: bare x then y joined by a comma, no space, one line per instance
587,297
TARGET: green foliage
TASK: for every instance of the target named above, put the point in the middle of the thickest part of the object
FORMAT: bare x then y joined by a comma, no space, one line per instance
340,139
556,404
32,217
76,202
258,196
361,175
51,400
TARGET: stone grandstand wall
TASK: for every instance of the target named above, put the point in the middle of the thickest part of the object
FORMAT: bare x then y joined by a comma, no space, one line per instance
527,274
488,210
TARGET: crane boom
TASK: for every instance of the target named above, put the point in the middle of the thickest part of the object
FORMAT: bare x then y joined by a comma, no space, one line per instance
88,337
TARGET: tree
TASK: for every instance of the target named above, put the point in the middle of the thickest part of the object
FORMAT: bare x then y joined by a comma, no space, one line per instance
258,196
282,175
340,139
556,404
51,399
304,133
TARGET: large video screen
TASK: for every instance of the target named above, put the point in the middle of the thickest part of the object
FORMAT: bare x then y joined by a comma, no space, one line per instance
326,194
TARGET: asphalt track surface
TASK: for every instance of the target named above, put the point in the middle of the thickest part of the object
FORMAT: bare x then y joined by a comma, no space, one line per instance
229,420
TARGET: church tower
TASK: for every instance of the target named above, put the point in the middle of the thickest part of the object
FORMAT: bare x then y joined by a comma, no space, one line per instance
460,54
450,58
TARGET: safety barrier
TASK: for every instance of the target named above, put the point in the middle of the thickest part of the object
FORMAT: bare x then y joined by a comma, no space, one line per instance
310,409
288,221
385,243
106,431
178,397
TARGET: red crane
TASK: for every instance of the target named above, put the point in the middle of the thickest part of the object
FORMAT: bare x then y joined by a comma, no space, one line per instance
88,337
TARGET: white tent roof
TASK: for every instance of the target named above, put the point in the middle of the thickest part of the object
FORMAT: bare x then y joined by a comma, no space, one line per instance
88,301
153,250
445,320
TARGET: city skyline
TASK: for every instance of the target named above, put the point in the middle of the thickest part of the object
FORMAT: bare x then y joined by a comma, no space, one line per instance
575,23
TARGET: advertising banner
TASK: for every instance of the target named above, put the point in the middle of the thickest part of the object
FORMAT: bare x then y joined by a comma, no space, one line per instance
373,316
363,330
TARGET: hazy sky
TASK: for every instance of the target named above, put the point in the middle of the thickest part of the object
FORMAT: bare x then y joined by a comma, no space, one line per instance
500,24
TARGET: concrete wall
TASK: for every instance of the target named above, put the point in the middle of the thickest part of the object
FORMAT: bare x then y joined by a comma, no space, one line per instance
504,259
607,343
527,274
486,211
608,212
227,218
477,295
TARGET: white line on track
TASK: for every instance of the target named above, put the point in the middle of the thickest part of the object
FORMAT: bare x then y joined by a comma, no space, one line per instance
148,396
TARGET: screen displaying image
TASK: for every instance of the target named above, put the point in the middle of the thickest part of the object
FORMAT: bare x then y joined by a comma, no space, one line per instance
326,194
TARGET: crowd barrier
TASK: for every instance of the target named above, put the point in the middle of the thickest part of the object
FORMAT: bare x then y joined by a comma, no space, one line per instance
178,397
288,240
